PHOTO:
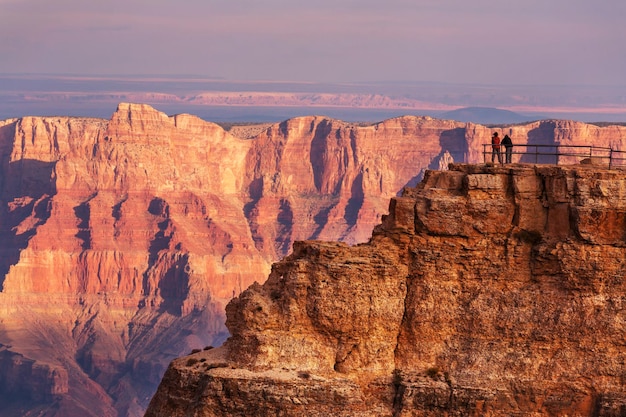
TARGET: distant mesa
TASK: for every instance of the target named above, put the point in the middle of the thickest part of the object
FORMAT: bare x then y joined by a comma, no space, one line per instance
485,115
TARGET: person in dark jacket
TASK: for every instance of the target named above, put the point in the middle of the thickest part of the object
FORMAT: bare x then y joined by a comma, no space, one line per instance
508,148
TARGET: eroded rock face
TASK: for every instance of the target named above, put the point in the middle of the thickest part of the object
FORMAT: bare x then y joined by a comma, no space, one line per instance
121,241
486,291
118,239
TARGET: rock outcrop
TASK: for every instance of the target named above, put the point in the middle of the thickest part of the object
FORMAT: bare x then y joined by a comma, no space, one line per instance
486,291
122,240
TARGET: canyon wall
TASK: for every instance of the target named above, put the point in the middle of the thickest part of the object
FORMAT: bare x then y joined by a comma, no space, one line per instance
122,240
486,291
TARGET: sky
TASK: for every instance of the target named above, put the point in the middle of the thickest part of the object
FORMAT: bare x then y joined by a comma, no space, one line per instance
508,42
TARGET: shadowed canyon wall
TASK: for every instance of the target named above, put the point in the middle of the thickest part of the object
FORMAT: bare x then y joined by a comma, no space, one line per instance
121,241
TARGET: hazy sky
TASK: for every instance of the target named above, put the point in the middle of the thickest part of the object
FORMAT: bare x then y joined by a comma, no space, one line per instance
456,41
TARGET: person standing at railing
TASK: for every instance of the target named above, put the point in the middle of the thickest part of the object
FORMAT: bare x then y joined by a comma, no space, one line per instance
495,148
508,148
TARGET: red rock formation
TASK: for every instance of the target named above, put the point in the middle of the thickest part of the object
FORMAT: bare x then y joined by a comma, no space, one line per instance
123,238
333,179
487,291
121,241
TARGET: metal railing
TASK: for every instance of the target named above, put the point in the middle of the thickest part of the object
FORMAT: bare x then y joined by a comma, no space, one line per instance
557,154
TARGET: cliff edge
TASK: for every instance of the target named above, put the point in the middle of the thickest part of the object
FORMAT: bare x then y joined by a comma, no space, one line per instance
486,291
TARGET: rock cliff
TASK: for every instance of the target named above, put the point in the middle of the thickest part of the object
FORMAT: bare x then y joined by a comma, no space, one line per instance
122,240
486,291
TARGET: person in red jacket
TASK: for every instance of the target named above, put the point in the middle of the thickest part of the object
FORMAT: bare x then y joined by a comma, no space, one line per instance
495,148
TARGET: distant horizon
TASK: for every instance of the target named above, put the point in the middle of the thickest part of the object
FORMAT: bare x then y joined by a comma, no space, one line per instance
221,100
207,77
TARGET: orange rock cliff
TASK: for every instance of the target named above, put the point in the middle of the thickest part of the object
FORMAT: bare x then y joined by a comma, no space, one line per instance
486,291
123,240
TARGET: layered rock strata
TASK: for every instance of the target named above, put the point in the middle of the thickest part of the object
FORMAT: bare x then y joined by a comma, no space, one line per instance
122,240
486,291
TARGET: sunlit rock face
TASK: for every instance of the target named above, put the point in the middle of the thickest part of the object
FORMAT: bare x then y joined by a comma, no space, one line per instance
119,238
122,240
485,291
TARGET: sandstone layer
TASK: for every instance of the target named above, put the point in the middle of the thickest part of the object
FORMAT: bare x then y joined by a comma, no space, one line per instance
122,240
486,291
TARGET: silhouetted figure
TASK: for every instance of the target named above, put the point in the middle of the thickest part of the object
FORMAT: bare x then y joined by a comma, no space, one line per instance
508,148
495,148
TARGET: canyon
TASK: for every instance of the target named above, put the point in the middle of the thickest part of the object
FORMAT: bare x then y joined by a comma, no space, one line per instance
123,240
